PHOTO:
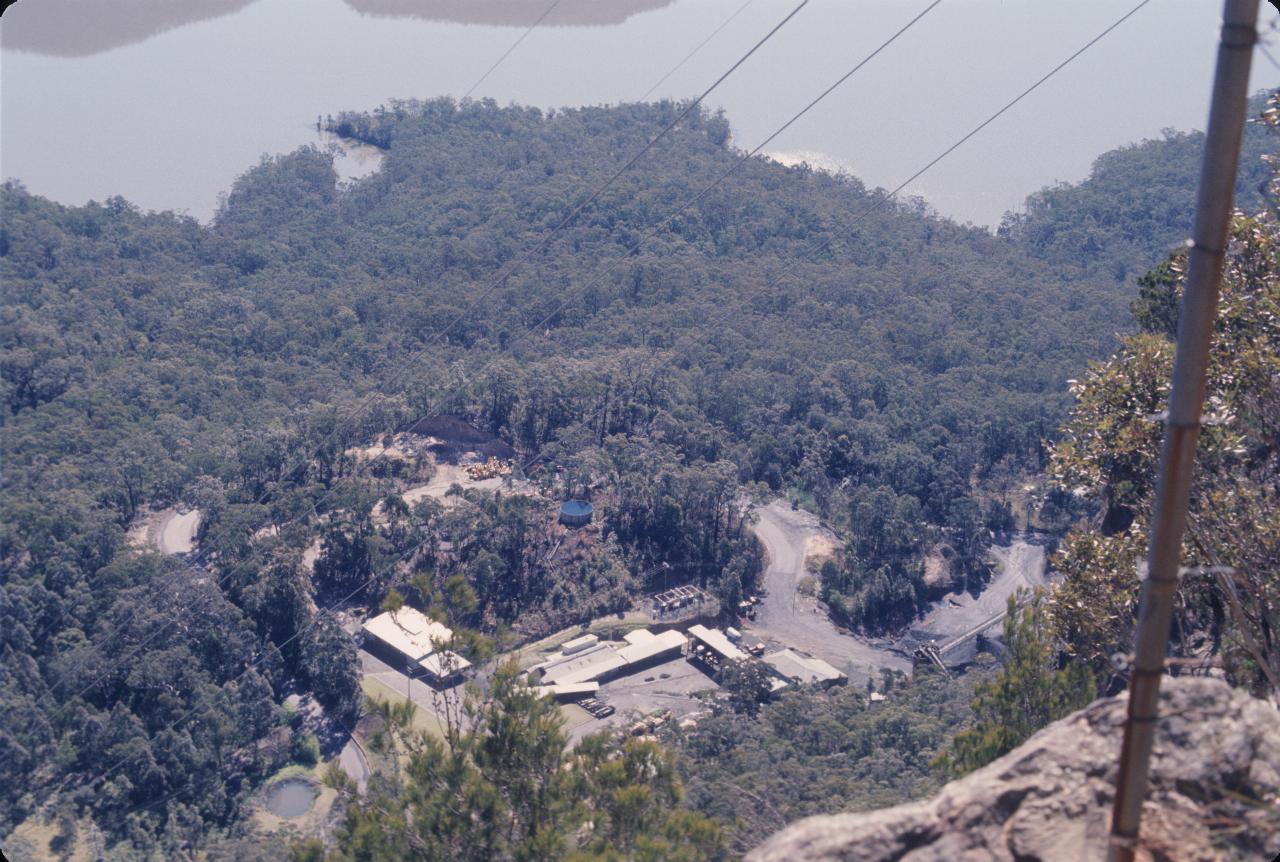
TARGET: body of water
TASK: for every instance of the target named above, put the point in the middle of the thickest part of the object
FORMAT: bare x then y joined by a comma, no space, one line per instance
290,797
165,102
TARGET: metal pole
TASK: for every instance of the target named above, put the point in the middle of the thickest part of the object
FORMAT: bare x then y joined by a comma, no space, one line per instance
1195,326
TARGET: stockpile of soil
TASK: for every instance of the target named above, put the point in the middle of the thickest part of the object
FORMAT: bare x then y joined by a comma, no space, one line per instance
458,437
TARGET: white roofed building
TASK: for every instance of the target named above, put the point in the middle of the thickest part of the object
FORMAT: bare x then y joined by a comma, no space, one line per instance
799,668
713,647
591,664
644,646
444,664
579,644
417,640
582,660
569,691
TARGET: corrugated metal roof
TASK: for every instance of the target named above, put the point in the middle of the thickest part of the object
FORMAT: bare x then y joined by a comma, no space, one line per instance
584,666
646,645
444,664
801,668
568,689
601,659
578,644
718,641
409,632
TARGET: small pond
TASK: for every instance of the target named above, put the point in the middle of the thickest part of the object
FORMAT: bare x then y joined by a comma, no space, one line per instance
291,797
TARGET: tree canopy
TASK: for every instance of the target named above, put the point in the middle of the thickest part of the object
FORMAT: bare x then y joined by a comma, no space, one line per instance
890,369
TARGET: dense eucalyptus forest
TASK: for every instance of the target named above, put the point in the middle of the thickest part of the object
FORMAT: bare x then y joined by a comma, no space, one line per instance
791,332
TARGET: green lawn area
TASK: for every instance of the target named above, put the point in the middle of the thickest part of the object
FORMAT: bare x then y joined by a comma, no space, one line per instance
423,719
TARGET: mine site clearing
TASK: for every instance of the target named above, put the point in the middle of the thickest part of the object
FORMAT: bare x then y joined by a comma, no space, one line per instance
654,665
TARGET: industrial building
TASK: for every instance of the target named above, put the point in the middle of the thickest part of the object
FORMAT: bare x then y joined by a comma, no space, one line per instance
644,648
410,639
591,664
587,660
798,668
569,691
578,644
679,603
713,647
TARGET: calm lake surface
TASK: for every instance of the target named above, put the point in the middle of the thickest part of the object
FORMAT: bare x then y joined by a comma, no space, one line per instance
166,101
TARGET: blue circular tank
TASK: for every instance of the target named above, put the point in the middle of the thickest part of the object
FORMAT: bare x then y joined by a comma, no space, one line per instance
575,513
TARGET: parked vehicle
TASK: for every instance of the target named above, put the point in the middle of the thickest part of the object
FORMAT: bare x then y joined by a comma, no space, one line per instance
597,707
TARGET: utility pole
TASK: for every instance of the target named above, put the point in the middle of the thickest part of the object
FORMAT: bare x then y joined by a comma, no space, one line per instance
1182,428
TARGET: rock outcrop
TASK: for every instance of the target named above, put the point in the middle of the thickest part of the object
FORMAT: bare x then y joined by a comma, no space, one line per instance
1215,794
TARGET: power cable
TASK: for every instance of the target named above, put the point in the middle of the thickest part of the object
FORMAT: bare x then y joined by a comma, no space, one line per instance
503,276
653,231
875,205
1270,59
559,226
691,54
884,199
514,45
739,162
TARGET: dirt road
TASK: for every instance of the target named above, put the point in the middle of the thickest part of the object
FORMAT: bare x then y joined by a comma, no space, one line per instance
787,618
353,762
446,476
1019,566
178,535
167,531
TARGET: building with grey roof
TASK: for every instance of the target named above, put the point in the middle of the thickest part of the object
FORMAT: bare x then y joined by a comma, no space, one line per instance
796,667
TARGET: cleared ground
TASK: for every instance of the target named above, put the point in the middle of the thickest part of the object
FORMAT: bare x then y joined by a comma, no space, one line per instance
167,531
670,685
381,680
1019,566
447,475
314,822
787,618
603,627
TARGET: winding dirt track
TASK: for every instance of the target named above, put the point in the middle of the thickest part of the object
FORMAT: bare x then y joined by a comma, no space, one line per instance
1019,566
353,761
789,619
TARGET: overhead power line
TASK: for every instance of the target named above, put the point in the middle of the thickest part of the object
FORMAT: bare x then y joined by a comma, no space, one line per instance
497,282
699,47
720,178
1266,53
514,45
599,190
878,203
1018,98
884,199
738,163
506,272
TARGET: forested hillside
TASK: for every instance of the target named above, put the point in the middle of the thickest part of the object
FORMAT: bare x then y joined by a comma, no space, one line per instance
891,369
1136,203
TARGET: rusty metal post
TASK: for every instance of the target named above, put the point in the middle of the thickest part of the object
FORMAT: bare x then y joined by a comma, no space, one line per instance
1182,431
